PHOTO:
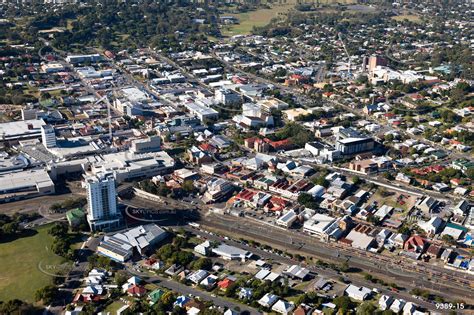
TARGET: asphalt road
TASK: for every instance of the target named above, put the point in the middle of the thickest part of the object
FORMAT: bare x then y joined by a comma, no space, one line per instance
187,290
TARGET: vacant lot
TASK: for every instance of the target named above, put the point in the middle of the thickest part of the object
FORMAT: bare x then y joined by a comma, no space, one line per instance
20,276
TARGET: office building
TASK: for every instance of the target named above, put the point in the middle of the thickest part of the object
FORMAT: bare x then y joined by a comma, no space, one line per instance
149,144
48,136
228,97
351,142
102,211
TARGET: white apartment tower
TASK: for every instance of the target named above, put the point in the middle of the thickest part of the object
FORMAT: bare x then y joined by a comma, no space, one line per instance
102,211
48,136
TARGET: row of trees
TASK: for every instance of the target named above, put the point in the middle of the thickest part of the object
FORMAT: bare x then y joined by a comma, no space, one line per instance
62,240
10,225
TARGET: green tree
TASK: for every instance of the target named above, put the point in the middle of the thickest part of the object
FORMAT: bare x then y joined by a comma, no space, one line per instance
366,308
343,303
188,186
203,263
322,181
46,294
356,180
120,277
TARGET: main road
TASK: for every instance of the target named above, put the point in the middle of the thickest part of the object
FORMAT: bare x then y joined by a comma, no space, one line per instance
191,291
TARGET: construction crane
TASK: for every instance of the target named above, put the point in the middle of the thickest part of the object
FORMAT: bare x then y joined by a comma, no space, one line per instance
109,113
347,53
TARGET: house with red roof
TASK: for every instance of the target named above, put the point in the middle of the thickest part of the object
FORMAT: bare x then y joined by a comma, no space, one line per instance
284,144
276,204
207,147
225,284
416,244
136,290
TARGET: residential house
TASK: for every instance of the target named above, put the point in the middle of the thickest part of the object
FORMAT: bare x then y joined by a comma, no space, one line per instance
433,226
197,276
268,300
155,296
209,282
225,284
416,244
203,249
245,293
357,293
385,301
283,307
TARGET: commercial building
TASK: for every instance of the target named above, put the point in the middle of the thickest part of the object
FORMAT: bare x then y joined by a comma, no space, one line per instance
127,165
52,67
48,136
287,219
318,224
75,59
201,111
325,151
25,184
351,142
23,129
217,189
149,144
228,252
227,97
121,246
375,61
102,202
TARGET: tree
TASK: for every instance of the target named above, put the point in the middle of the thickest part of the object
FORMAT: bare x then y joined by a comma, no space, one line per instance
356,180
17,307
305,199
183,258
404,229
343,303
165,252
448,239
188,186
203,263
10,228
344,267
366,308
322,181
46,294
58,230
120,277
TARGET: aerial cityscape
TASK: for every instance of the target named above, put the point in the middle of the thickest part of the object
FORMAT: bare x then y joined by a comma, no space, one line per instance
237,157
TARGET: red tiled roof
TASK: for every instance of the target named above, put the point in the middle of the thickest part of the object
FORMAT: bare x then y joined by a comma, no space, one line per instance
136,290
224,284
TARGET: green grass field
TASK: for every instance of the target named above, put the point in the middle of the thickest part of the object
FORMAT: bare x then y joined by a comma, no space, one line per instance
262,17
409,17
258,18
20,276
